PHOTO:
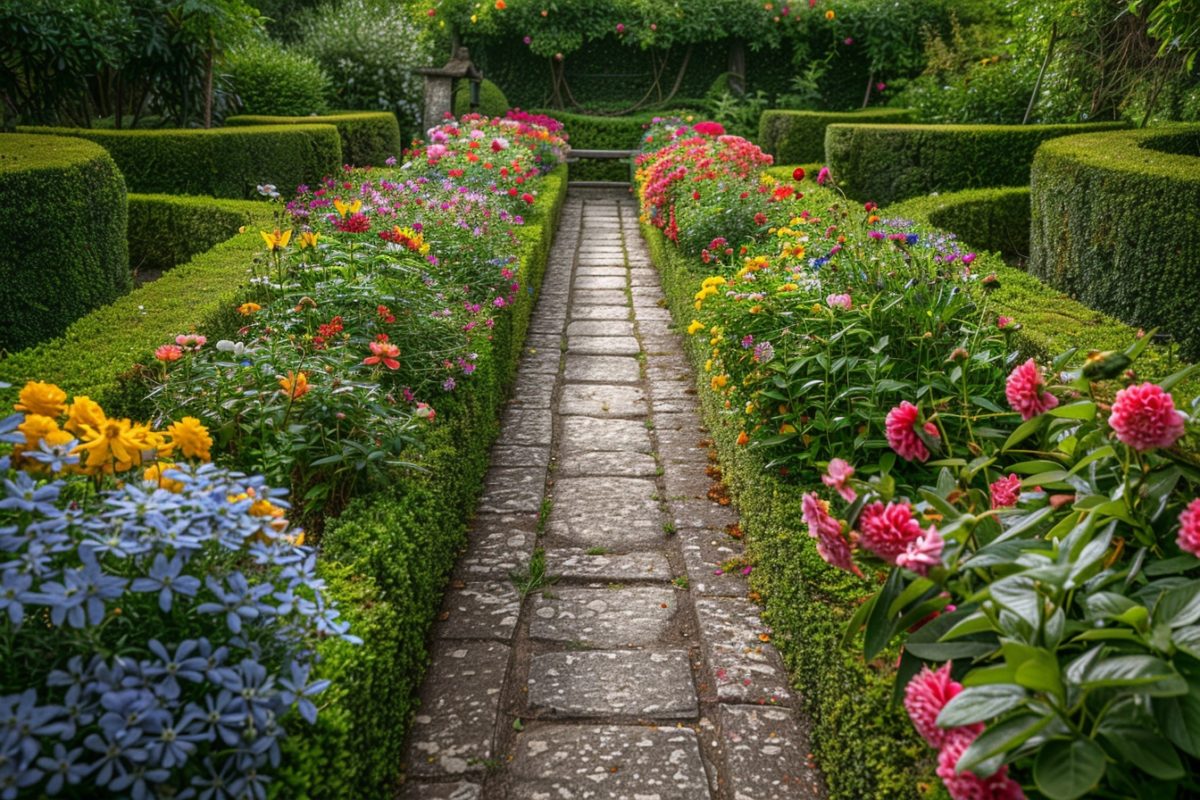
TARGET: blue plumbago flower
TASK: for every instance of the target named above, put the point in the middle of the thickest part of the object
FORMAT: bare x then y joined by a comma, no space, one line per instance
215,780
8,429
221,718
63,768
298,690
14,593
23,494
166,578
55,457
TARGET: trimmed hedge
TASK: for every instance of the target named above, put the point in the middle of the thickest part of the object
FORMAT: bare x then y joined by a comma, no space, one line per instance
63,226
166,230
368,137
985,219
1115,225
798,137
492,102
887,163
221,162
588,132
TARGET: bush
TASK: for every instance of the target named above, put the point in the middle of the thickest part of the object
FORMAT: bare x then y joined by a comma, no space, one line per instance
798,137
167,230
985,219
886,163
492,102
63,225
1114,226
369,138
221,162
271,80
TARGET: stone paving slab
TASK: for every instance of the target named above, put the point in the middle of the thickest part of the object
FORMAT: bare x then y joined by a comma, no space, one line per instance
512,490
600,281
528,427
533,456
483,610
653,313
705,556
590,434
600,327
701,514
534,395
602,369
577,463
453,729
686,484
460,790
622,513
621,683
599,297
607,401
568,762
577,563
742,667
629,616
497,545
619,311
765,754
541,362
603,345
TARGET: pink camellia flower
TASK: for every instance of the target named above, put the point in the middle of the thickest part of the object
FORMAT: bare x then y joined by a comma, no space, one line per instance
923,553
838,476
924,698
887,531
822,176
902,435
1189,529
968,785
831,544
842,301
1024,391
169,352
1006,491
1144,417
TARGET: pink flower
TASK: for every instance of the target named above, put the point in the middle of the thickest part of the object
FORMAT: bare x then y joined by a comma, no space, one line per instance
1003,322
190,341
823,176
1006,491
1144,417
923,553
1024,391
1189,529
169,352
968,785
837,477
842,301
831,544
887,531
902,435
709,128
924,698
620,27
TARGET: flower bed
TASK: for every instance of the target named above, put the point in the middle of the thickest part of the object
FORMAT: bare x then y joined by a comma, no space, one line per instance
986,509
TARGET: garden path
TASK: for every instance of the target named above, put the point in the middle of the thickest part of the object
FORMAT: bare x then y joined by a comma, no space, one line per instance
591,645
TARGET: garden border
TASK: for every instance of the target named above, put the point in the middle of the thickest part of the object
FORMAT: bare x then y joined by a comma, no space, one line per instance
368,137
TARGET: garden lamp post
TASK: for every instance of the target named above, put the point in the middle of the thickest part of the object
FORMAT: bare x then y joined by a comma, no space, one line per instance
440,84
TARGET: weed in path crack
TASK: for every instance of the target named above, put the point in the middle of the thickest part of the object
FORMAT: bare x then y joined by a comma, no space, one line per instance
535,578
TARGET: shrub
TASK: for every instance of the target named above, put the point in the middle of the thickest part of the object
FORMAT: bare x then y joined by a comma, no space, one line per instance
63,225
221,162
271,80
985,219
167,230
492,102
369,138
798,137
886,163
1112,226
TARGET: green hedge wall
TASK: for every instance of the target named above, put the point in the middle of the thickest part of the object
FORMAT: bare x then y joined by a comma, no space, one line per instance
1115,225
798,137
886,163
368,137
985,219
166,230
492,102
588,132
221,162
63,223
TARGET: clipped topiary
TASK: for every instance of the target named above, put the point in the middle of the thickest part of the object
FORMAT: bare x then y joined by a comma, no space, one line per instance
492,102
368,137
798,137
985,219
63,227
270,79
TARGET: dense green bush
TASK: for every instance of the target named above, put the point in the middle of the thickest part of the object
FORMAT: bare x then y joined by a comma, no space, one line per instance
271,80
985,219
492,102
798,137
886,163
63,227
588,132
168,230
368,137
1114,225
222,162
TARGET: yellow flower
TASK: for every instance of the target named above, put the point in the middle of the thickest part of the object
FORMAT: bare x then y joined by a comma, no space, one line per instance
276,241
265,508
155,474
36,427
117,442
84,411
708,365
308,239
829,15
246,309
788,287
347,208
295,385
756,309
719,381
695,327
787,427
191,437
42,398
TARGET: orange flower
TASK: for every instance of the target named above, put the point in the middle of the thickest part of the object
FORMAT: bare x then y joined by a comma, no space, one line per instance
295,385
246,309
383,353
743,438
169,352
501,5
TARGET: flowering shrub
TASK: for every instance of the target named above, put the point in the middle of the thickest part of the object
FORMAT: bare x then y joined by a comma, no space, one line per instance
160,612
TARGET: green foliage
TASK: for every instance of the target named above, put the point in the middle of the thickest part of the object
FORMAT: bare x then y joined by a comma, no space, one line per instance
798,137
591,132
492,102
167,230
270,80
63,225
985,219
222,162
886,163
740,114
1175,23
1112,225
369,138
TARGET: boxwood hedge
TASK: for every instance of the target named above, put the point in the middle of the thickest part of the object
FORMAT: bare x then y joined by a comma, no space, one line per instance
589,132
1114,225
220,162
63,224
886,163
368,137
985,219
798,137
166,230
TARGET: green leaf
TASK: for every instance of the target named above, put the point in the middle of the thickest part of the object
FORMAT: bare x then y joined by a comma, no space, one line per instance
1179,606
979,703
1179,719
1155,675
1023,432
1133,738
1001,738
1083,409
1065,770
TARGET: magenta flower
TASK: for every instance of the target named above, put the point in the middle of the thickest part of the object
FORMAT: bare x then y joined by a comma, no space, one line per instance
1006,491
968,785
887,531
837,477
842,301
902,435
823,176
1144,417
925,697
831,544
1024,391
923,553
1189,529
1002,322
620,27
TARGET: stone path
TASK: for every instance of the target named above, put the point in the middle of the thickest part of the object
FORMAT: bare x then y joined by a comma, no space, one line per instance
596,641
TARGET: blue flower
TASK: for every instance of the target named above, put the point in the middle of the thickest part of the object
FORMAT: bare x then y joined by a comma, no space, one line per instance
166,578
63,768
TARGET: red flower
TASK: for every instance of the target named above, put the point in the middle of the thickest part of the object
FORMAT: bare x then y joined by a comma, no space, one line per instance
1024,391
528,198
709,128
383,353
1189,529
798,174
1006,491
902,435
760,218
1144,417
888,530
831,543
355,223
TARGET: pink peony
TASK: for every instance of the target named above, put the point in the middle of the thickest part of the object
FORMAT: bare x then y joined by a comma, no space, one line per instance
901,433
842,301
923,553
1144,417
1006,491
924,698
837,477
1189,529
887,531
823,176
831,544
968,785
1024,391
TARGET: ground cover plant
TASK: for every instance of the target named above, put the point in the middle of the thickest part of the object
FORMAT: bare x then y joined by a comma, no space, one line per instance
1026,531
